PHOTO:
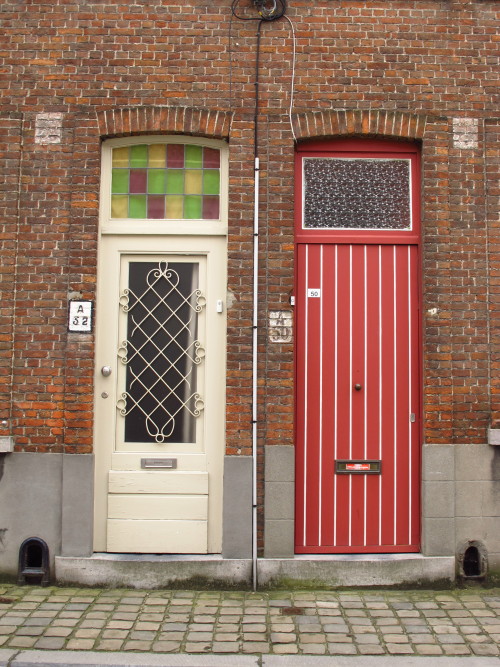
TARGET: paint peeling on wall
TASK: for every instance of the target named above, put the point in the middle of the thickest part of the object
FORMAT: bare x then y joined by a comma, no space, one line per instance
465,133
280,326
48,128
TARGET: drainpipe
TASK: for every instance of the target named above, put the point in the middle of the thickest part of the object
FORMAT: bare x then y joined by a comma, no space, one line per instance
255,356
275,11
255,315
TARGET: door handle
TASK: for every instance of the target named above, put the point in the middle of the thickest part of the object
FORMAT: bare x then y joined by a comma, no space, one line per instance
357,387
106,371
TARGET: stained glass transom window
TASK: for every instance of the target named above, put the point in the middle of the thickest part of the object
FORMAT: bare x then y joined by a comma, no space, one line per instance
357,193
165,181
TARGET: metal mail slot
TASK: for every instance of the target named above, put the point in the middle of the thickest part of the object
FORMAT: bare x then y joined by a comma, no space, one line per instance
159,463
358,467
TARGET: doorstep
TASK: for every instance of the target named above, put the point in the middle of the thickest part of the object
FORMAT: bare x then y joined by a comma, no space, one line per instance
148,571
357,571
214,572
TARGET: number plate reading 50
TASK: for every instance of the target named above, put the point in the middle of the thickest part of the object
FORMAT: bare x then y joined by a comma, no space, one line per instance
313,293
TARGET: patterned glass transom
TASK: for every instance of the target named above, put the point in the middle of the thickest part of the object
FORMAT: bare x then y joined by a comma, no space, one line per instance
356,193
161,353
165,181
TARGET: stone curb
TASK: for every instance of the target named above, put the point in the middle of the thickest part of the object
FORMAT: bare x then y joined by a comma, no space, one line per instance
100,659
376,661
5,656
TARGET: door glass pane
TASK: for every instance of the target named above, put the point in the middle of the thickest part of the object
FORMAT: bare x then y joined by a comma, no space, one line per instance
357,193
152,170
137,206
161,400
119,206
157,181
139,156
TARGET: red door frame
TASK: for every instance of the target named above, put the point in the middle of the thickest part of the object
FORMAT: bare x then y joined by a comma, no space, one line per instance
371,148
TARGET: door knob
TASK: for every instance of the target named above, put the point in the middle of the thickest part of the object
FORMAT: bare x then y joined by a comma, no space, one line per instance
106,371
357,387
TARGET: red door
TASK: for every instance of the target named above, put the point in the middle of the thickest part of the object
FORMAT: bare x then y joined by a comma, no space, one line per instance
357,380
357,401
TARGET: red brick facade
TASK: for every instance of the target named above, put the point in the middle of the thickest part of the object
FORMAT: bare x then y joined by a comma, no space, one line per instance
75,74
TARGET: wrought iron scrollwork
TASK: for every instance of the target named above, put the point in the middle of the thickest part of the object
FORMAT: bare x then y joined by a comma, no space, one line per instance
161,351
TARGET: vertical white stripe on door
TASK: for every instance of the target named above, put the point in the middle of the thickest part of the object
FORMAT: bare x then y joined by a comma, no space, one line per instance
380,495
350,391
320,470
410,398
335,398
306,317
395,419
365,385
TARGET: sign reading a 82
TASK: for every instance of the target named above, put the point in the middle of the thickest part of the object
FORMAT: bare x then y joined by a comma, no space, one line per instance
80,316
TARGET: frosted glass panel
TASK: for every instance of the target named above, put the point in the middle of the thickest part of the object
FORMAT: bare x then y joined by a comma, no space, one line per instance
356,193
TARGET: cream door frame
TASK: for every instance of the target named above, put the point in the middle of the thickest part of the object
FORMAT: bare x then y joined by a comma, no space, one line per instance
182,239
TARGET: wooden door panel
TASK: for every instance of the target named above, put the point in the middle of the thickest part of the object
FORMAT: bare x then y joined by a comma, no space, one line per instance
357,389
160,411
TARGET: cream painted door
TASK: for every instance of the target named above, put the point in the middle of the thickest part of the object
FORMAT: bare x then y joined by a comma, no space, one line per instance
159,404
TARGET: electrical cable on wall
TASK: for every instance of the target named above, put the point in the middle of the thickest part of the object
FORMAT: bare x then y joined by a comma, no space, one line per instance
292,86
269,10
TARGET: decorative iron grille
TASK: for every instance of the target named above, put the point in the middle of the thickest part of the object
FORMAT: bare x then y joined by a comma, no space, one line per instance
160,402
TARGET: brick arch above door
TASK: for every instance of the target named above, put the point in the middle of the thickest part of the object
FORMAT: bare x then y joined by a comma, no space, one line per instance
165,120
358,122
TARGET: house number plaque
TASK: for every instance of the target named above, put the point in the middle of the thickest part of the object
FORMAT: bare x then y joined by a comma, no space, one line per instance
80,316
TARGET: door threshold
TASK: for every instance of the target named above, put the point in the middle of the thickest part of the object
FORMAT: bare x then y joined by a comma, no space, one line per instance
157,558
327,571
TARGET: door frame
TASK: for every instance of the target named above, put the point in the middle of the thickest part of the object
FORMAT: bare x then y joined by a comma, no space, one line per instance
364,148
182,237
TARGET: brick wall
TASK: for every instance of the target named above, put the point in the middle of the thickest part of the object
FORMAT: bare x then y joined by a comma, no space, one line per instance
75,73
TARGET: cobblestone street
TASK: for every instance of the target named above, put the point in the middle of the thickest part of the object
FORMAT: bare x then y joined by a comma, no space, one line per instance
426,623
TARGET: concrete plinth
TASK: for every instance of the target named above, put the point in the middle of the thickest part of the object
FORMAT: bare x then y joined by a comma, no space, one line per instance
152,571
356,571
202,572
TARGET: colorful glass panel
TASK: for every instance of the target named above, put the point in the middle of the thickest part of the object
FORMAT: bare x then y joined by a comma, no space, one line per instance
157,181
174,207
175,182
119,206
192,207
193,182
138,180
121,157
165,181
157,157
211,158
175,156
156,207
210,208
211,182
137,206
194,156
138,156
119,181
